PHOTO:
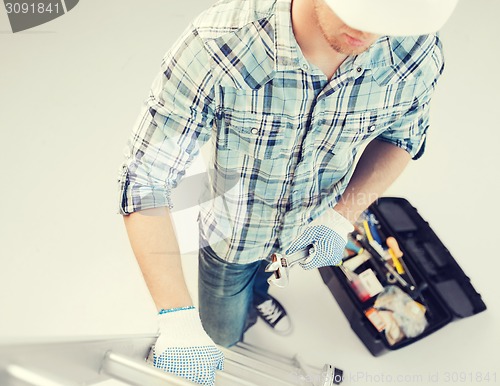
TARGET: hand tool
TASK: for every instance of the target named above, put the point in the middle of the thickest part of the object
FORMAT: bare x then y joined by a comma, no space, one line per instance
373,242
395,253
368,233
373,226
379,258
281,263
414,291
374,249
393,244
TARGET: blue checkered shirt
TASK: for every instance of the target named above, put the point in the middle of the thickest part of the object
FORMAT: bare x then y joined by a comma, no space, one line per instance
282,137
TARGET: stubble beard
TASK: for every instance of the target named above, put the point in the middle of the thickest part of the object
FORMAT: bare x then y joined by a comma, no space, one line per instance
334,40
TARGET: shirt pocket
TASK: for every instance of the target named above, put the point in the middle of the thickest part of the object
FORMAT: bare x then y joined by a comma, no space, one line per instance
257,135
359,128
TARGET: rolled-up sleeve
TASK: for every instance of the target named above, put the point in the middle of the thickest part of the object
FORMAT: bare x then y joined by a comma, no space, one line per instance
410,131
174,121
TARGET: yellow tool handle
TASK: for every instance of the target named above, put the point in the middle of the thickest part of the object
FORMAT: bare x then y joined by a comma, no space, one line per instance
395,253
397,263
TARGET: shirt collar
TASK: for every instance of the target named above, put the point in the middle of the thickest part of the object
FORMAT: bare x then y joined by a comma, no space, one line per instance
380,54
288,56
287,53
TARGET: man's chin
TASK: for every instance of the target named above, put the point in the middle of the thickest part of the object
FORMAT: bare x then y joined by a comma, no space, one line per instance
349,50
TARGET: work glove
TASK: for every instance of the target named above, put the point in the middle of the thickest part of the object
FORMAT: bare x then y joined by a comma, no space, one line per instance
183,347
327,234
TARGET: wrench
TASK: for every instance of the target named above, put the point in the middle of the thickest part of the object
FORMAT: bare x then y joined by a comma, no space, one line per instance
281,263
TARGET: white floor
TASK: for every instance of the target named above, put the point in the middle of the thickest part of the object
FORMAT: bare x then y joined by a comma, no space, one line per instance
69,93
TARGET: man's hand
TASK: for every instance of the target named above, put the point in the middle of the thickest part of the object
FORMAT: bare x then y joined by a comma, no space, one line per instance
328,235
184,348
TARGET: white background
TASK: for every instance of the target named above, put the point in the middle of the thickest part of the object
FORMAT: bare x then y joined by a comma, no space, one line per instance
70,91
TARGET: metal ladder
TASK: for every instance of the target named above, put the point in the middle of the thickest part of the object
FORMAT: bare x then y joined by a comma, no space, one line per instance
92,360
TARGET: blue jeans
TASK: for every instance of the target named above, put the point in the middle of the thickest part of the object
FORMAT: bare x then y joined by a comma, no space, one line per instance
227,294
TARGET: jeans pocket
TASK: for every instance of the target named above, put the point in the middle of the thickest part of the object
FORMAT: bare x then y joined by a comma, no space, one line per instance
222,278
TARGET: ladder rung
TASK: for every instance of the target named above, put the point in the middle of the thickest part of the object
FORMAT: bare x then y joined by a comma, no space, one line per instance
136,373
34,378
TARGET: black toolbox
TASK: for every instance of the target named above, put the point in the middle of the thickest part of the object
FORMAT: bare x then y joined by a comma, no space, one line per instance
443,290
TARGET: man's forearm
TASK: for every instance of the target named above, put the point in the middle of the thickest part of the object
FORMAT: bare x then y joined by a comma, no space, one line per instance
379,166
155,246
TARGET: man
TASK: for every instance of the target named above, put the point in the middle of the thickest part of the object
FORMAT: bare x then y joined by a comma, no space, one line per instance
286,93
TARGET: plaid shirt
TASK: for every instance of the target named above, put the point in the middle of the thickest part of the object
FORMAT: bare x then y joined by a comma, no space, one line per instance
283,137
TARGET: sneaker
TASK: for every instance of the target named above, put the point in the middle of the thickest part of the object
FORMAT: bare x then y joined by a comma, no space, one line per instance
273,313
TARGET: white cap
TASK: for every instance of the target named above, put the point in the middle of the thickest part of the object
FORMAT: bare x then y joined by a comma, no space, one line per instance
394,17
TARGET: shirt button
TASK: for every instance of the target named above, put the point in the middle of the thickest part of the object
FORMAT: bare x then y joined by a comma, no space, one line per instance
371,128
305,66
359,69
254,130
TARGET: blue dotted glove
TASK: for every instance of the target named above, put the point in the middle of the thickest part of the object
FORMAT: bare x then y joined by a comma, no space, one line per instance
328,235
183,347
